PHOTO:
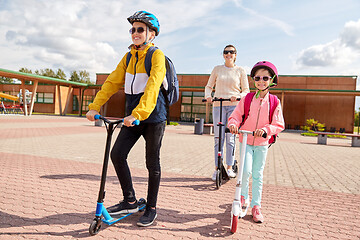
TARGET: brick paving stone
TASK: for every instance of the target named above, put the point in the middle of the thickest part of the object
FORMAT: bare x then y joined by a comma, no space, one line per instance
51,169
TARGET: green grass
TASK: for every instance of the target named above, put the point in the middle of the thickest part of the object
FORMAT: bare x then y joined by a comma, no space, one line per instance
315,135
309,134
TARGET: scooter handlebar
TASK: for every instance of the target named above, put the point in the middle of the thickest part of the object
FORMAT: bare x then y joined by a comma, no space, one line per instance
220,99
98,116
227,130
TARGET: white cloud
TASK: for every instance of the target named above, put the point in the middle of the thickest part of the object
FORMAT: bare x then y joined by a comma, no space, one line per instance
330,54
87,34
351,35
67,34
340,52
93,34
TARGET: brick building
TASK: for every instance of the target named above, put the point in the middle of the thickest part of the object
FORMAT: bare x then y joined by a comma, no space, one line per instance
328,99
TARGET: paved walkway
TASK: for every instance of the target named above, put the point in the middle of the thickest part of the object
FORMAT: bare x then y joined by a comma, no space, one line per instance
51,170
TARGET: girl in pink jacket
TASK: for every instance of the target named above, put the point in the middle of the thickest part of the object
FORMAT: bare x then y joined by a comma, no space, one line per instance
265,75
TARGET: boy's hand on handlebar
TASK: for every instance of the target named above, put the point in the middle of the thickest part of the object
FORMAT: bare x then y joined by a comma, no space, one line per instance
233,129
128,121
209,99
259,132
91,114
233,99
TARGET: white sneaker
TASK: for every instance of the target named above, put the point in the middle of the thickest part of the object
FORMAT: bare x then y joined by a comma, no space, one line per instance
213,177
231,173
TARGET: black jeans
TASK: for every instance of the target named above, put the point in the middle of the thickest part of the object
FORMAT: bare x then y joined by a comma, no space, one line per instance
128,136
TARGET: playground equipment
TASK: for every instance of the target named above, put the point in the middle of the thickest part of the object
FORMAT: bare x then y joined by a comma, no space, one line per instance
8,96
15,108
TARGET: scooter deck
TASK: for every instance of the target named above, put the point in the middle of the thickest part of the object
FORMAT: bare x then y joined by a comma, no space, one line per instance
117,218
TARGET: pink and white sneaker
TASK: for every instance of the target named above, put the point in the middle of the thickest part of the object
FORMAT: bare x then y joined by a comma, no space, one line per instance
257,216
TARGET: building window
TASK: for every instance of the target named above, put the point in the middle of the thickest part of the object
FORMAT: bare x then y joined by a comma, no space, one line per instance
44,97
86,101
75,103
192,106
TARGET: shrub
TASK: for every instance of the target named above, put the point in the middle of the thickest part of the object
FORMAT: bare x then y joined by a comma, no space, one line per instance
314,125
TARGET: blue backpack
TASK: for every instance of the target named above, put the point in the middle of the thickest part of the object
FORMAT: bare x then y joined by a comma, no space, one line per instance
172,93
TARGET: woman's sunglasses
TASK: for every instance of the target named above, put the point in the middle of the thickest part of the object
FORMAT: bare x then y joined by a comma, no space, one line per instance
139,30
265,78
229,51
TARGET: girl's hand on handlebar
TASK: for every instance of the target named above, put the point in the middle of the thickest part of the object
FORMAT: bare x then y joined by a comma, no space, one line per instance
233,129
128,121
259,132
209,99
91,114
233,99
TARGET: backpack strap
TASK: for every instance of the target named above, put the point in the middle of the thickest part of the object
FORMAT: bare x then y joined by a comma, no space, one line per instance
148,58
248,99
148,64
274,102
128,57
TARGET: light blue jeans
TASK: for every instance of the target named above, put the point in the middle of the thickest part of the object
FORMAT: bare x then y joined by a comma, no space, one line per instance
255,159
230,138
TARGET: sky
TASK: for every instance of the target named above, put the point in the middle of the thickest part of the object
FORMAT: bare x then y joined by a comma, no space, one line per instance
307,37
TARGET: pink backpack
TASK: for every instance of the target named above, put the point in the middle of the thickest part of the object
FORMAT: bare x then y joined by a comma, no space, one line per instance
274,101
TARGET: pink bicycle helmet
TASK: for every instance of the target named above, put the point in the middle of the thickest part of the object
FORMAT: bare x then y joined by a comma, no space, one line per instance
267,65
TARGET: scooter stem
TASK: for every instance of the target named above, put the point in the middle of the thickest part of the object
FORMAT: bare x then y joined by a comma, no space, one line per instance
241,169
101,195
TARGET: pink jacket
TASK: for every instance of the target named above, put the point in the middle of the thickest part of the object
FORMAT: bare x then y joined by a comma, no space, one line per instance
258,119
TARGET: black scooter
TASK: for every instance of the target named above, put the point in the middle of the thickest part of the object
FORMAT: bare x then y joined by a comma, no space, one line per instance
101,214
221,174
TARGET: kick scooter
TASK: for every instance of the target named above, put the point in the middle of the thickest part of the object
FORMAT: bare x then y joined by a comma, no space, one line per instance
101,214
238,211
221,174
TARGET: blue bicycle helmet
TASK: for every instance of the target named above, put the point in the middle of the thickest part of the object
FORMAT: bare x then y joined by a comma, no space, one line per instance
148,18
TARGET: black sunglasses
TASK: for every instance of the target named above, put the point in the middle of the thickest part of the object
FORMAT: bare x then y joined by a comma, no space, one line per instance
229,51
265,78
139,30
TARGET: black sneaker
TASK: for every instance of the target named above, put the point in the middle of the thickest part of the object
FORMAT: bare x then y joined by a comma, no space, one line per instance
123,208
148,218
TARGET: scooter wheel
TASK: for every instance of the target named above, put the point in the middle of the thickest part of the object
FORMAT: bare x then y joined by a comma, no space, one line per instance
235,167
218,179
234,222
142,204
95,227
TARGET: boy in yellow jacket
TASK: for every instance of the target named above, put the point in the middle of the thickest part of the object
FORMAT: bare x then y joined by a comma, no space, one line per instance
146,103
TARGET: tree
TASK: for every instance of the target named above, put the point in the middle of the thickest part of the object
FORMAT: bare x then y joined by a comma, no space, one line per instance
47,72
82,76
6,80
25,70
60,74
74,77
